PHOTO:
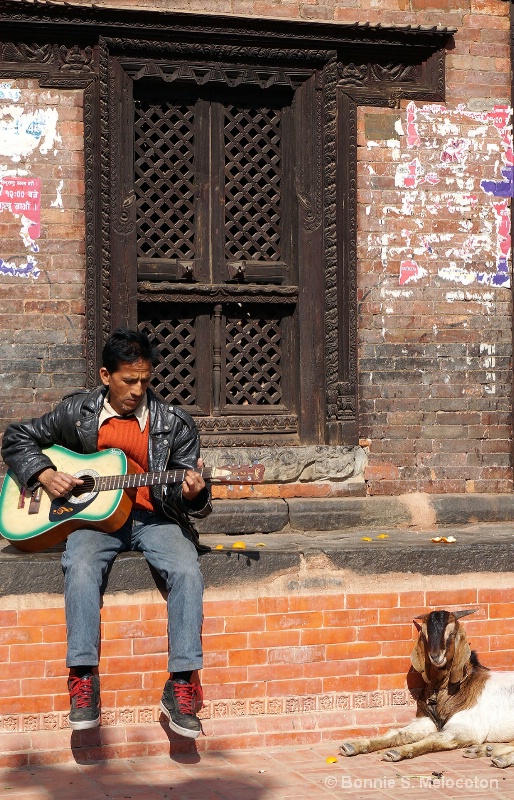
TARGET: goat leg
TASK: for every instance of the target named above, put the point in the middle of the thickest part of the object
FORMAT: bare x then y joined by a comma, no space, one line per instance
477,751
502,755
416,730
451,738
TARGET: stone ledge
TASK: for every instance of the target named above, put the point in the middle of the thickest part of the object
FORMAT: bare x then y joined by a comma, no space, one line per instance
348,513
486,548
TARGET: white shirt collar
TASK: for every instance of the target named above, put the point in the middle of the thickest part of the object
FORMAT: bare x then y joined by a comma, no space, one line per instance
140,413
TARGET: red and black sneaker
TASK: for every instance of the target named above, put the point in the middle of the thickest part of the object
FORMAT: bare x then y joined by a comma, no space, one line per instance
179,703
84,702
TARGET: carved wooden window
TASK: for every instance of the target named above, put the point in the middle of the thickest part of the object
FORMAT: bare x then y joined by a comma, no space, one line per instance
214,215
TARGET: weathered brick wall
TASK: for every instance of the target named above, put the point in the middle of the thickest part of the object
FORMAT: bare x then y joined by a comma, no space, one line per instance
434,273
41,264
278,668
434,189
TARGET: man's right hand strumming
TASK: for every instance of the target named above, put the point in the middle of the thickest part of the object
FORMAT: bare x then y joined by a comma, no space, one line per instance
57,484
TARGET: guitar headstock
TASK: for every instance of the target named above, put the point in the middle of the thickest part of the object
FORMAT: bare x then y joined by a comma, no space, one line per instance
239,473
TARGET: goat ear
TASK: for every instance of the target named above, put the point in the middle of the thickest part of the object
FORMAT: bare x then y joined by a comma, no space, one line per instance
460,663
459,614
417,658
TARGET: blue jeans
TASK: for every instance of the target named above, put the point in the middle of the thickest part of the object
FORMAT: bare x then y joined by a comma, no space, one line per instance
169,550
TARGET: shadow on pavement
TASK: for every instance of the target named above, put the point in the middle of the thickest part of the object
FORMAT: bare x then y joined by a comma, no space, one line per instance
137,779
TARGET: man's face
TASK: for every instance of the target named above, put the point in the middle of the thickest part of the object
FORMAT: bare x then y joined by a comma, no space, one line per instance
128,385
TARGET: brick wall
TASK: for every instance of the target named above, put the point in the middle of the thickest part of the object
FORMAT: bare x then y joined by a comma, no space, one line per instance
434,190
278,669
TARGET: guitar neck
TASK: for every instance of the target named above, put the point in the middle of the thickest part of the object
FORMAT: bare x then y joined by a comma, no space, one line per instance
136,479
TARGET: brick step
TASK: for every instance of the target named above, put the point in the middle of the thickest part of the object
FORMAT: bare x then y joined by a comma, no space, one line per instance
42,748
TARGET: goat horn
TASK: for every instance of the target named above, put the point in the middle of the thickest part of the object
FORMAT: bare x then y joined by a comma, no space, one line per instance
459,614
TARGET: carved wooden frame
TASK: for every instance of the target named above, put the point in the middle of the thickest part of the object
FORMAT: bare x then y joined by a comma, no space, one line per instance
68,46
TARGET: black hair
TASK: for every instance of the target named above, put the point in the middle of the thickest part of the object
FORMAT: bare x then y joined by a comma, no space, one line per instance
126,347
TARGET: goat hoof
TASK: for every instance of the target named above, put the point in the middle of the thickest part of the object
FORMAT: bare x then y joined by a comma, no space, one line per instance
472,752
347,749
392,755
499,762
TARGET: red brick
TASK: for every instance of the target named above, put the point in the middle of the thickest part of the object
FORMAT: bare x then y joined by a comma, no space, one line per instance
213,675
329,635
54,633
8,619
41,616
351,683
320,602
123,613
305,619
9,688
383,666
157,644
332,668
402,616
352,650
225,641
453,598
213,625
340,619
154,611
271,605
132,629
230,608
246,623
19,635
293,687
142,663
397,648
241,658
116,647
124,681
275,638
38,651
277,672
296,655
503,611
362,601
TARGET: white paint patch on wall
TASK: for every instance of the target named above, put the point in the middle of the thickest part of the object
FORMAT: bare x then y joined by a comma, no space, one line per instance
22,132
456,274
57,203
8,93
487,352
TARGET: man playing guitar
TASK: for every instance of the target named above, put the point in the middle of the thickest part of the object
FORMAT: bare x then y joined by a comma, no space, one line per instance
124,413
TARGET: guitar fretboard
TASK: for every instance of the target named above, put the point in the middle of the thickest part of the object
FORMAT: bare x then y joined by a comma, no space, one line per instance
136,479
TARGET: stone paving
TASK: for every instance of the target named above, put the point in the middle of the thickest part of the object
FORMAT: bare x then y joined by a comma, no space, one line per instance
298,772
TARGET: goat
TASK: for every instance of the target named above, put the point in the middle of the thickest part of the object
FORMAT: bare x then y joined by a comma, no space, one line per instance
462,704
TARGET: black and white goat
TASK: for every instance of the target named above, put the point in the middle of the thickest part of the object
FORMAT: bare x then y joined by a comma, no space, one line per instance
462,704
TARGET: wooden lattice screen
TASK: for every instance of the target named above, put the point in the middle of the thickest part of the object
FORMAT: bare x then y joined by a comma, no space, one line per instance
210,200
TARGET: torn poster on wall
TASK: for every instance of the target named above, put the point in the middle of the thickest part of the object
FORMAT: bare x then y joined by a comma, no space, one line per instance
22,196
25,132
455,177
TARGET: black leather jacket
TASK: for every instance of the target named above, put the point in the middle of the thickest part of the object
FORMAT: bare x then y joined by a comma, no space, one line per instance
173,443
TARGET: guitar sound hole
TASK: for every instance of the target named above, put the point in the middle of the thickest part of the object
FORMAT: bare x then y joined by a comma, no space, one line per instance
84,488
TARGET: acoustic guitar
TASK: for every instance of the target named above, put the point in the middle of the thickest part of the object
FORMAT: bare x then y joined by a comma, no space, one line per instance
33,521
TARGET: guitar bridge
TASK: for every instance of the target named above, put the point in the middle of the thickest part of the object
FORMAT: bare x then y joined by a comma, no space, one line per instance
21,498
35,500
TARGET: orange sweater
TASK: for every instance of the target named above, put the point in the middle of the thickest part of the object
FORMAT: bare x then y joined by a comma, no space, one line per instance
125,434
